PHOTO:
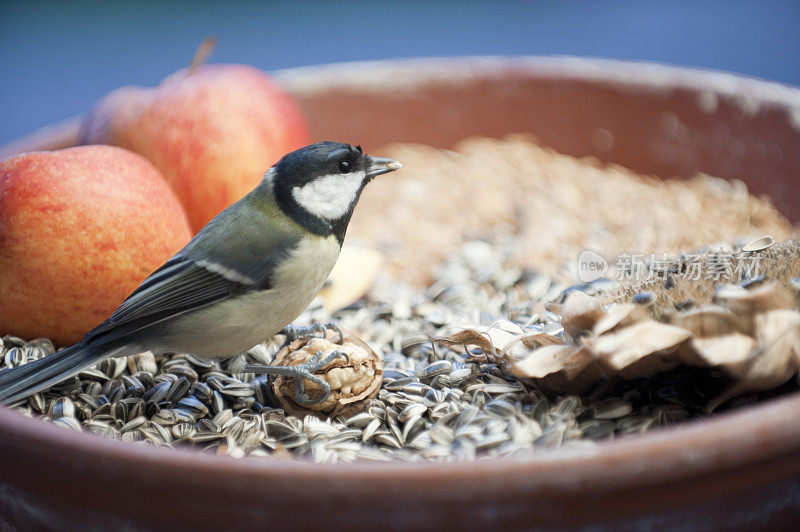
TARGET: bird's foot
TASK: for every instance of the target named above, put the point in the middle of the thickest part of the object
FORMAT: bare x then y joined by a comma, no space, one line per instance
301,373
293,332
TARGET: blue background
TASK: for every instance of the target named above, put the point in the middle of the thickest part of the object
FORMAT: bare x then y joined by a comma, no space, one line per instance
57,58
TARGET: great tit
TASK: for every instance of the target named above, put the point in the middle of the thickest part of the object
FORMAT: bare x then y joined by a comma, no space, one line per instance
248,273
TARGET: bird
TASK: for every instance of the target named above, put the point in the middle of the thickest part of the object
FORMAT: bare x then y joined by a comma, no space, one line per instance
246,275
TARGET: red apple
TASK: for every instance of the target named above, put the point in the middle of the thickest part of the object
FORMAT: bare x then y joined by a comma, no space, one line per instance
79,230
212,131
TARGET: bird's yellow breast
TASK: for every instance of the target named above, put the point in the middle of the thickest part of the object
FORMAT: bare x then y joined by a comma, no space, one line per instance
307,267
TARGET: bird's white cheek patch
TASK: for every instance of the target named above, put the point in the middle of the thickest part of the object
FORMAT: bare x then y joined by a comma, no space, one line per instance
329,196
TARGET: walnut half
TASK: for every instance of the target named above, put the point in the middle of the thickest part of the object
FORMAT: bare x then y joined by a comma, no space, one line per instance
353,381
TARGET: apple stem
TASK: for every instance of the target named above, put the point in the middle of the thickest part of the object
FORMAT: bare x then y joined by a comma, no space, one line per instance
202,53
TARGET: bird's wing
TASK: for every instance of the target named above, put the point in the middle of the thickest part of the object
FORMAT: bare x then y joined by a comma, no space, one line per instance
197,277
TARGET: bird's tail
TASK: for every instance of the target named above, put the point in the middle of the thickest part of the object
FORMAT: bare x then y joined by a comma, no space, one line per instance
35,376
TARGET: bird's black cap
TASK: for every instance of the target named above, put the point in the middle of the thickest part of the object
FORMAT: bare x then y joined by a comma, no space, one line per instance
319,185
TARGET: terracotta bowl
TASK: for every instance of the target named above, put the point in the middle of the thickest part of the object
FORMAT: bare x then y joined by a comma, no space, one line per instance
735,471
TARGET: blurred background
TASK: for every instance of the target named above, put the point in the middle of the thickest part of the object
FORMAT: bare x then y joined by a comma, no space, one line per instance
57,58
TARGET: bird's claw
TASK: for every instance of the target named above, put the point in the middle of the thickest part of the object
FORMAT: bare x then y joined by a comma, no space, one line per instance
293,332
302,373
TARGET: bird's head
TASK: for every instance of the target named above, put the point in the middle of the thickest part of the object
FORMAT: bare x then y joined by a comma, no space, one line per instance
318,186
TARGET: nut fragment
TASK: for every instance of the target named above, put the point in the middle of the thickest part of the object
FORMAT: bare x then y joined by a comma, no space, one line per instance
353,380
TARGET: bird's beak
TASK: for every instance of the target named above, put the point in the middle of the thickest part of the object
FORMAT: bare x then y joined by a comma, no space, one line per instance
381,165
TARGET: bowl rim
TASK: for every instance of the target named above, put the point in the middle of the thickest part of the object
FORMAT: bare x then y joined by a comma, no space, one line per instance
409,73
687,450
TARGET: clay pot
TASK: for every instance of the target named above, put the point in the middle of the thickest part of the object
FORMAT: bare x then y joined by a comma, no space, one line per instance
735,471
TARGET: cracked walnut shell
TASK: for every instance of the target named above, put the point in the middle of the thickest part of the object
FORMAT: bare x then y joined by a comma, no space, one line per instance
353,381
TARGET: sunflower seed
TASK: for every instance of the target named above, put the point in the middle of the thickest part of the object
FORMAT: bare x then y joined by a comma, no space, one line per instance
37,403
389,440
142,362
398,384
10,341
217,402
460,376
411,428
166,417
16,356
612,409
223,416
133,424
360,420
61,407
346,435
119,410
598,428
136,408
182,431
183,371
412,410
177,390
434,369
93,374
93,388
131,436
394,374
491,440
100,428
236,390
500,407
278,429
206,437
133,386
473,432
293,441
68,422
759,244
113,367
314,428
158,392
502,388
441,434
634,424
370,429
551,438
193,405
42,344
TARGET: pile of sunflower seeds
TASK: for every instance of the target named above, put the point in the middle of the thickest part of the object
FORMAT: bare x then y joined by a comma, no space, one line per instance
436,403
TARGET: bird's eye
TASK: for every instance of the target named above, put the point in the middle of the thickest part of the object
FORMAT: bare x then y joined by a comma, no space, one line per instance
344,166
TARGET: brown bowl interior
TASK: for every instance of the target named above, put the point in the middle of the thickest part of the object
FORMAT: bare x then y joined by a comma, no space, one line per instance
733,471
